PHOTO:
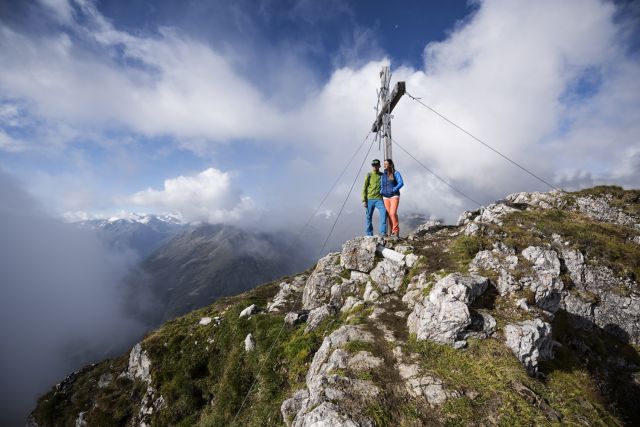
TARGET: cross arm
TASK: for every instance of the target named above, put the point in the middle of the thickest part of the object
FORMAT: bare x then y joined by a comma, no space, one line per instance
388,107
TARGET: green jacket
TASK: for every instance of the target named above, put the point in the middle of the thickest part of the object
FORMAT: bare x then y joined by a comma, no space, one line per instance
371,189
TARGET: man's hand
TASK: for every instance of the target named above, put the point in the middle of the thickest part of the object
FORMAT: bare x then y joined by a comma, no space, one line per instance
364,203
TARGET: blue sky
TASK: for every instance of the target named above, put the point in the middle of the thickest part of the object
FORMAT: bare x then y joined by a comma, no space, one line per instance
233,110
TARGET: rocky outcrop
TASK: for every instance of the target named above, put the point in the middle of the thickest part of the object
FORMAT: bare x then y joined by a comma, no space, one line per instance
501,260
287,290
316,406
443,316
139,364
531,342
602,299
538,200
139,368
599,209
428,227
365,303
420,385
546,284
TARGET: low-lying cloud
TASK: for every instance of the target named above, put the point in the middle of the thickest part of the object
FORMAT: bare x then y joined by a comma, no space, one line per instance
205,197
60,301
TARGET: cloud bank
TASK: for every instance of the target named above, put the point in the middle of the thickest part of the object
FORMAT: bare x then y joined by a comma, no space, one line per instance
60,302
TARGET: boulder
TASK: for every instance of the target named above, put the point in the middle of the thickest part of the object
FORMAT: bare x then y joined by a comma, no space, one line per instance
317,289
387,275
317,315
359,277
249,343
531,342
296,317
411,259
499,261
250,311
204,321
443,315
359,254
483,325
341,291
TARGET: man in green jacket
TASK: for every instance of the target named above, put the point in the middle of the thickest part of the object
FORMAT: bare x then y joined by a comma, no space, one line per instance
372,199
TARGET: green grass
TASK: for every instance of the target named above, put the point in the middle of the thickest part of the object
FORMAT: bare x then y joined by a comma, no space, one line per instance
490,369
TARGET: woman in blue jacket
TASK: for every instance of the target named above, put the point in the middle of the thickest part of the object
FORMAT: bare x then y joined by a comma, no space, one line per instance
390,184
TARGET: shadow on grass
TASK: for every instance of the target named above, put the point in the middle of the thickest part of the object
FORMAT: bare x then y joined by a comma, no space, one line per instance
606,354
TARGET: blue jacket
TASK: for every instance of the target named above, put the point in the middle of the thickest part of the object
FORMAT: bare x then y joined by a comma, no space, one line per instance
391,187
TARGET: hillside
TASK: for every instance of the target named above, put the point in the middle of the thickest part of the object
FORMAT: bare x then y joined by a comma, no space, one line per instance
527,312
205,262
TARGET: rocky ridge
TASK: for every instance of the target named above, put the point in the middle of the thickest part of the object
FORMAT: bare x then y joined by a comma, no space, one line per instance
501,318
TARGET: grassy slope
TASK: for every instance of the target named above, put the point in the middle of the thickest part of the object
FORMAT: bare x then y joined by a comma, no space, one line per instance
204,383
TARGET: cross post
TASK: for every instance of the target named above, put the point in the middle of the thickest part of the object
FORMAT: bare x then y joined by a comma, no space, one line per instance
386,103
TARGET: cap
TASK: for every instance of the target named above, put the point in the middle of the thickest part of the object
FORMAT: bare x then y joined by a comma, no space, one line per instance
375,162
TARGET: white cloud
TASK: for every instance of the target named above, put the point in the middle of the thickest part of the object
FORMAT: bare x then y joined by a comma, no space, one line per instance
205,197
10,144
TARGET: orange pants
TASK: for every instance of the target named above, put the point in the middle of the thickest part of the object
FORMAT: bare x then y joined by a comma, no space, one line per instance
391,205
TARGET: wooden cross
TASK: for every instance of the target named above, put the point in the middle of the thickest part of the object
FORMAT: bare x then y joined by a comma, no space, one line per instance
382,124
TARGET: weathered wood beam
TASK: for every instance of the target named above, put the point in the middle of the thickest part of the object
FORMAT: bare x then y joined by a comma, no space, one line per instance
388,107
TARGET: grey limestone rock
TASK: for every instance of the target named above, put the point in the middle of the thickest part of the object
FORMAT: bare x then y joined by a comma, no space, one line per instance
139,364
370,293
250,311
291,406
287,290
296,317
315,406
599,209
341,291
317,289
429,227
429,387
387,275
249,343
550,200
359,254
443,315
531,342
547,285
318,314
611,302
